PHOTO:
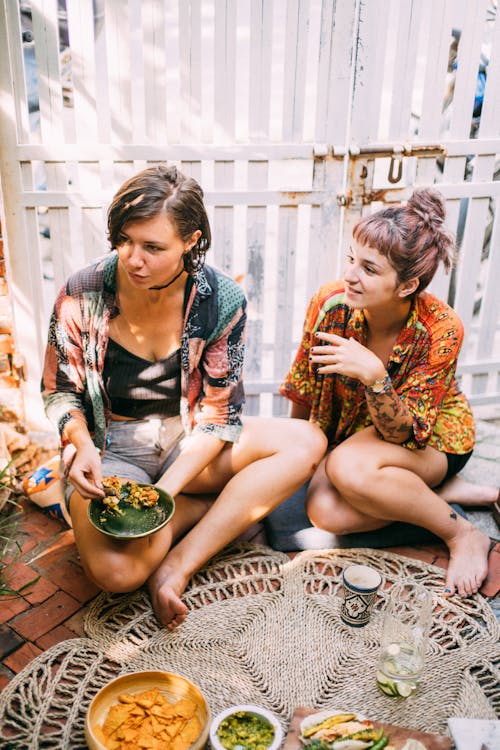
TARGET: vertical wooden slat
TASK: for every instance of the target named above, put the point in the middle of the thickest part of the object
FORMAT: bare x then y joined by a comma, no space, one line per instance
260,66
489,126
295,69
369,45
154,70
190,66
255,282
11,43
223,219
325,253
103,104
335,59
404,68
142,92
83,73
470,261
60,237
117,31
45,24
469,49
287,248
225,58
173,71
437,37
489,318
460,123
208,81
91,230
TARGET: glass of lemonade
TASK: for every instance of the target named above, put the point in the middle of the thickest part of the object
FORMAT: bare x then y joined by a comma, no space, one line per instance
405,630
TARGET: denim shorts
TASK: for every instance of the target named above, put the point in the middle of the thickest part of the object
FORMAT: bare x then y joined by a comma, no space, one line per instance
139,449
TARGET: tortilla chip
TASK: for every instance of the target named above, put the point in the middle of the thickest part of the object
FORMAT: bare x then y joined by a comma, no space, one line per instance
148,721
185,708
118,715
148,698
167,711
190,731
126,698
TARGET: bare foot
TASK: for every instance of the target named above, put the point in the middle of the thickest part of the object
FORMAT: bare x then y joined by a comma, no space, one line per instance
468,566
166,586
458,490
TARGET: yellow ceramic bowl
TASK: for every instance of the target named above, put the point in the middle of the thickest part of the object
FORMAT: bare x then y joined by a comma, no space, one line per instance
173,687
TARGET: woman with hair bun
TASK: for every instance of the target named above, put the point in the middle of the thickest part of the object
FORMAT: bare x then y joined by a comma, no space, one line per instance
376,371
143,378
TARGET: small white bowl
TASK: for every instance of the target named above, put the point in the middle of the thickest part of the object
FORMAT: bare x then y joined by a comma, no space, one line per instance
251,709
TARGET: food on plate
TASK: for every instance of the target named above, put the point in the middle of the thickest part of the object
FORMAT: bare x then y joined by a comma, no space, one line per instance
340,730
149,720
138,496
112,486
245,730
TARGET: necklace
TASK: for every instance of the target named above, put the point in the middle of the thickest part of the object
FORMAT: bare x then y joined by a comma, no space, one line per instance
170,282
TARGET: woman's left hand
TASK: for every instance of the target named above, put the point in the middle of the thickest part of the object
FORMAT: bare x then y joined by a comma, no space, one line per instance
346,357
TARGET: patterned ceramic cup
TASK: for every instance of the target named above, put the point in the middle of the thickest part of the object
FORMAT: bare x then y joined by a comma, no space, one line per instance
361,584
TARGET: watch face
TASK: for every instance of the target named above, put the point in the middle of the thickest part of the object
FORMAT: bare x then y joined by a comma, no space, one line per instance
379,385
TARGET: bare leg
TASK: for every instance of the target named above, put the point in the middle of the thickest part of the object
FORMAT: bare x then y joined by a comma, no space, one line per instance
254,475
387,482
119,565
328,510
458,490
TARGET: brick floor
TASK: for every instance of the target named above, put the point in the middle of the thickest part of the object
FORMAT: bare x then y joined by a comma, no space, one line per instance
54,592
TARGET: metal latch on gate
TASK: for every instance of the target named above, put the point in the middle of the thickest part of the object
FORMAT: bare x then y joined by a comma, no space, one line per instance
395,151
395,169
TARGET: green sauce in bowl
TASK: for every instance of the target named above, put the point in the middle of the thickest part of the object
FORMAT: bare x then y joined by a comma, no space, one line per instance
244,730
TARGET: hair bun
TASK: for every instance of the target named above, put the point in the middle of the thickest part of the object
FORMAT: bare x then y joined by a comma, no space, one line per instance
429,205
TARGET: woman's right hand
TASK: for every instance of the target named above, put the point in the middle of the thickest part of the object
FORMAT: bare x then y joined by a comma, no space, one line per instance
86,471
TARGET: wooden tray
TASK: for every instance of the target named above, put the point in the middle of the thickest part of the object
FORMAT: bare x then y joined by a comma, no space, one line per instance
397,735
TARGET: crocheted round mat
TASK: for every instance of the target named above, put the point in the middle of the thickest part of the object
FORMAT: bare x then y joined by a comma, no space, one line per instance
262,629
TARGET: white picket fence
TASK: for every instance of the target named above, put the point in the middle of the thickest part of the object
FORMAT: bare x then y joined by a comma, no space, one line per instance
292,114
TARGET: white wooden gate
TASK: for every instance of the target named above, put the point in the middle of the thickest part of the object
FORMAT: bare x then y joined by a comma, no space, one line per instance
288,112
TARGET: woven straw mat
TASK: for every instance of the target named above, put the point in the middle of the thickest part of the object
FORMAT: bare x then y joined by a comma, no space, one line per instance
262,629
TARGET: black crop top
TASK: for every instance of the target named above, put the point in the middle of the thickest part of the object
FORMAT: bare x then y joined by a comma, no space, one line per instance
139,388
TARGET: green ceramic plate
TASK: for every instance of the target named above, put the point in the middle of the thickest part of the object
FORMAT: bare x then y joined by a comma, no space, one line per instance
134,522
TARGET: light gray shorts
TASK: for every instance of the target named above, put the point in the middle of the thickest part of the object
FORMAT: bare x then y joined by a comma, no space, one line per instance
139,449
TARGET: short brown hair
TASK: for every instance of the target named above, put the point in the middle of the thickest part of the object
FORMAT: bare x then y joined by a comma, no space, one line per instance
163,189
413,237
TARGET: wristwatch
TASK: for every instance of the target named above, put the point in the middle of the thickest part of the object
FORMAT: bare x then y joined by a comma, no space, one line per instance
380,385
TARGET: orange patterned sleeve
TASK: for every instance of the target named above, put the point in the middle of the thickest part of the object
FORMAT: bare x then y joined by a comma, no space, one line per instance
432,372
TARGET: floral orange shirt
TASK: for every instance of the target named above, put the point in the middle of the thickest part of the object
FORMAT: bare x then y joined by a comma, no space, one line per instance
421,366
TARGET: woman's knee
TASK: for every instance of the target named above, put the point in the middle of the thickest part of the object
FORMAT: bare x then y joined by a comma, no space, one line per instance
305,440
115,574
350,469
327,511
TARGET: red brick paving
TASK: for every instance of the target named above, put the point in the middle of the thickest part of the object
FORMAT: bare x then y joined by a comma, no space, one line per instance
39,620
52,607
58,634
20,658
